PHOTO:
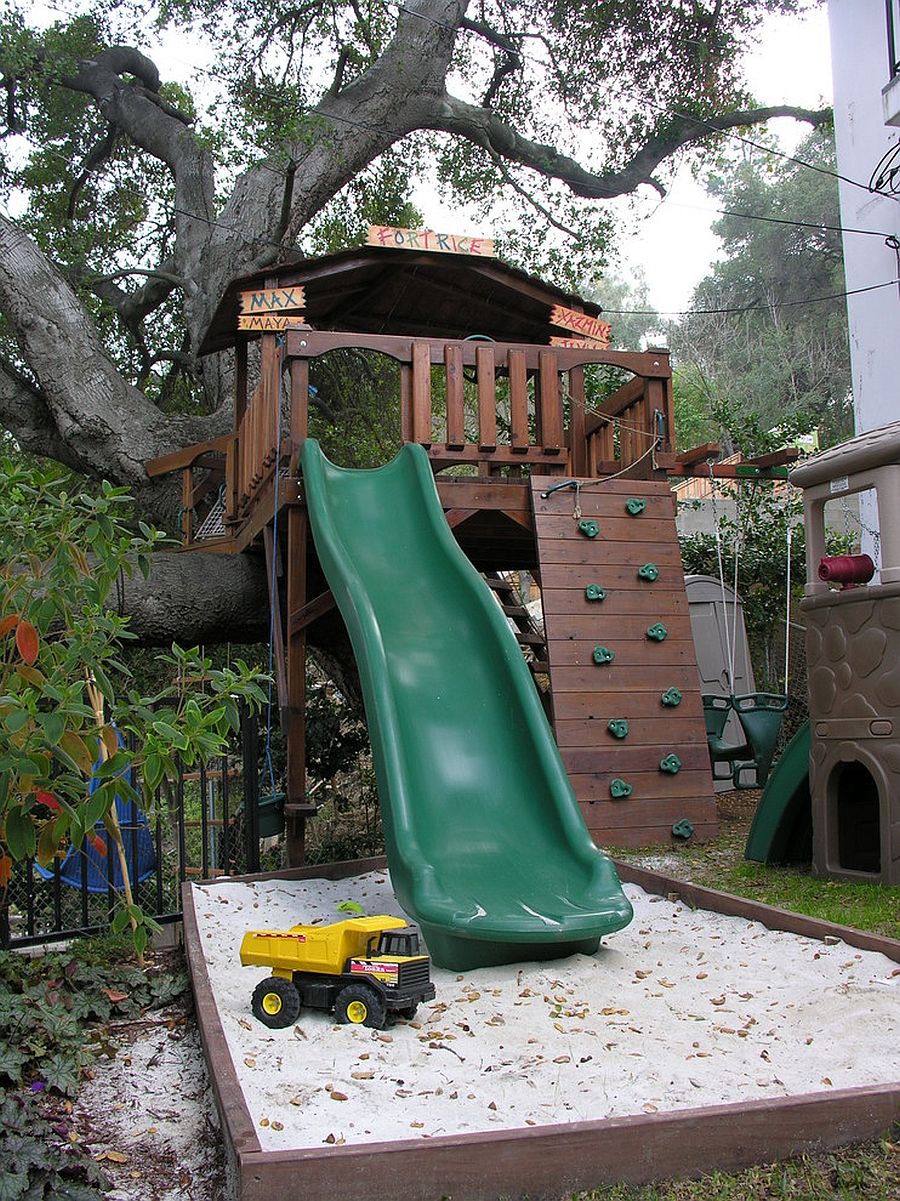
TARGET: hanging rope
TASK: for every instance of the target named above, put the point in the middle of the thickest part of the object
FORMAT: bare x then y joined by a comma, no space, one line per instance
729,659
273,582
787,609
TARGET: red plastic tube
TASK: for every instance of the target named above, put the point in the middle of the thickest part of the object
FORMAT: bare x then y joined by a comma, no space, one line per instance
846,569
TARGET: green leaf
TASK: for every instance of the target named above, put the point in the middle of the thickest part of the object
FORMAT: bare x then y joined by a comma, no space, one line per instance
16,720
21,837
54,726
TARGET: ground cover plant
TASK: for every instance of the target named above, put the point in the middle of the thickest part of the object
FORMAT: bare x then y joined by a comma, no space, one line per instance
55,1015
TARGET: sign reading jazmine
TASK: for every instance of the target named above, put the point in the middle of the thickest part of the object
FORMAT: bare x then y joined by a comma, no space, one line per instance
581,324
427,239
272,300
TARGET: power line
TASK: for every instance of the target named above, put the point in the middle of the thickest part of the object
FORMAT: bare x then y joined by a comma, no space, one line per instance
750,308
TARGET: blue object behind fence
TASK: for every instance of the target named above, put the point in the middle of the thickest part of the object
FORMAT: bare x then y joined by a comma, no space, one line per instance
97,873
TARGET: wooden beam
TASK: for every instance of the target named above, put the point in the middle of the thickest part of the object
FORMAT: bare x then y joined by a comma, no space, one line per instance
281,684
295,801
698,454
312,610
776,458
187,455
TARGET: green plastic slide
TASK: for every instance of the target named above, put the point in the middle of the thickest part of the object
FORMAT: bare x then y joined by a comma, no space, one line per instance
487,847
782,826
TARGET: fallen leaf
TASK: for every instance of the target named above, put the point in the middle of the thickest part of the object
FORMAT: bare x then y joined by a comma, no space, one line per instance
336,1096
362,1075
717,1000
111,1156
114,996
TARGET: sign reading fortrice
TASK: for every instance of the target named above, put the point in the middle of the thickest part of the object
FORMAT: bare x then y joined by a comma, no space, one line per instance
428,239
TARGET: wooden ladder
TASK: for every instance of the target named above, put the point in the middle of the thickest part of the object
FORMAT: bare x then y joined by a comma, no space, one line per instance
634,559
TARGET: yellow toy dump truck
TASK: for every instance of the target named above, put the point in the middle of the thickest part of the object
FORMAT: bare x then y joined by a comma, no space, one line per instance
363,968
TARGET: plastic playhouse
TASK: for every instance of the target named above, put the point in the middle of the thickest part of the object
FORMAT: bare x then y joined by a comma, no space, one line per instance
491,813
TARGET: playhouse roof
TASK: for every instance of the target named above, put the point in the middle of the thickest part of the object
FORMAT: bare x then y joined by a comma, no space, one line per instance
384,290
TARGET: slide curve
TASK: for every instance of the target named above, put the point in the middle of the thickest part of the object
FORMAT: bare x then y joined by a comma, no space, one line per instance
782,825
487,847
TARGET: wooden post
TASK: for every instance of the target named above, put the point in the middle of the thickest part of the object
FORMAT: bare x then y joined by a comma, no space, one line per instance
272,576
518,401
421,393
299,407
456,413
550,402
187,510
577,438
297,535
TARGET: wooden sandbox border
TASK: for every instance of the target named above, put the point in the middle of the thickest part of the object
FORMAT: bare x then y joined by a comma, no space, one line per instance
549,1161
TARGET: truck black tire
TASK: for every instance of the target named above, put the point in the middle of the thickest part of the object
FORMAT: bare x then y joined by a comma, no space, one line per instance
408,1012
276,1003
361,1005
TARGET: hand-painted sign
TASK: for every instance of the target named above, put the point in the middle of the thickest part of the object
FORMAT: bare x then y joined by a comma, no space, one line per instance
579,343
272,300
580,324
427,239
272,322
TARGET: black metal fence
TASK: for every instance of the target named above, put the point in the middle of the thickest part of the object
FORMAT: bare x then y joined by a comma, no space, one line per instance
208,822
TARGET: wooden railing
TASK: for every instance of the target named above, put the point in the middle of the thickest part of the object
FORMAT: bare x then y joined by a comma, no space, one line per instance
497,406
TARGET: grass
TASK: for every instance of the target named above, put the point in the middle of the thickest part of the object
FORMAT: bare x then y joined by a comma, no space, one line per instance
721,864
870,1172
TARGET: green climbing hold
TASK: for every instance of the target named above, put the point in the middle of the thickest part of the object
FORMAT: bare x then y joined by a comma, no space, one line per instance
649,572
671,697
618,727
590,529
594,592
602,654
619,789
635,505
683,829
657,632
671,765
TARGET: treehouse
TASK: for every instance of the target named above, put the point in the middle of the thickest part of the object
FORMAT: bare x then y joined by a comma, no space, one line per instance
550,453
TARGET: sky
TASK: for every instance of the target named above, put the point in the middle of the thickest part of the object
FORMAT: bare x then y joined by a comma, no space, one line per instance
672,241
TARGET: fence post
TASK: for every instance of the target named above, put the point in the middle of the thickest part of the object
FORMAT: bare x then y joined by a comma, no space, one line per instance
250,755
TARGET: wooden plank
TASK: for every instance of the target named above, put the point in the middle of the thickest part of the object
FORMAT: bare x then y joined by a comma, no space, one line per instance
649,812
597,622
641,703
428,239
299,407
549,403
606,679
618,528
699,454
599,488
619,602
186,513
518,400
577,421
311,611
615,404
616,578
665,555
690,784
297,539
272,300
663,658
406,425
640,836
592,734
776,458
187,455
487,398
456,413
581,324
440,453
615,758
421,394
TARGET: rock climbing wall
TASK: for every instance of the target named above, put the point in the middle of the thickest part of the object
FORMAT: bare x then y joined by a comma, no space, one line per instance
627,713
853,655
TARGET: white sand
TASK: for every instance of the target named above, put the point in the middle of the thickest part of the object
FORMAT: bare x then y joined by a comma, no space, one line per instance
681,1009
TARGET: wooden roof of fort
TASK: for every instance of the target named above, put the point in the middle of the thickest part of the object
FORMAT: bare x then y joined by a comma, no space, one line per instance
417,293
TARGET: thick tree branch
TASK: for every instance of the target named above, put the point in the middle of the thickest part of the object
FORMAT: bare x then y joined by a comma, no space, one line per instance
25,413
484,128
108,427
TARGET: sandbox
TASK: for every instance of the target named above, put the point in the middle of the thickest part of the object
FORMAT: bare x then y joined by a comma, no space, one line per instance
698,1037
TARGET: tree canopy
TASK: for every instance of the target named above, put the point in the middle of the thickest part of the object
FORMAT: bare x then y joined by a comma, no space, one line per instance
137,200
768,340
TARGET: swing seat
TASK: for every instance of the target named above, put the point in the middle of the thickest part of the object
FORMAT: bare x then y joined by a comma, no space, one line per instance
760,715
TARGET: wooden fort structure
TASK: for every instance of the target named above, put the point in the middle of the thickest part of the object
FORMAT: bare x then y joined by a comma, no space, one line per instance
491,372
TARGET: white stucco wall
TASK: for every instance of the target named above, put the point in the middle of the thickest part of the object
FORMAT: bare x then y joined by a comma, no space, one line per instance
860,70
